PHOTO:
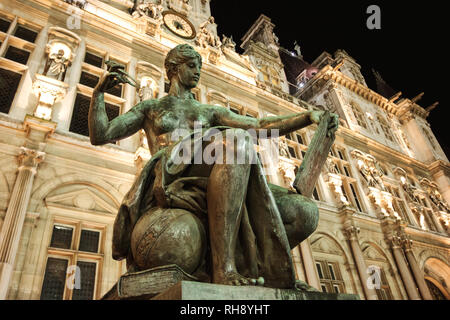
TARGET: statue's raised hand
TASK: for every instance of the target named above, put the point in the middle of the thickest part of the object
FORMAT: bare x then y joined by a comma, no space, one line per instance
316,117
115,75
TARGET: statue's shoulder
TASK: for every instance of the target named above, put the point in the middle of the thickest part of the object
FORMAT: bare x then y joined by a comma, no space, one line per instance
148,105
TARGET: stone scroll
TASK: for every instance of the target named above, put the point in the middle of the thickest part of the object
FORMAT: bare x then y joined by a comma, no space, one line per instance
315,157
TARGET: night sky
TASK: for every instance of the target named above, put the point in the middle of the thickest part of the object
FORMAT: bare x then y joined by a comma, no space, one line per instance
409,50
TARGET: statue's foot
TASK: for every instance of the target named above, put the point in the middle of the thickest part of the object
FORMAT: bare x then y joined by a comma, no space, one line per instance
303,286
235,279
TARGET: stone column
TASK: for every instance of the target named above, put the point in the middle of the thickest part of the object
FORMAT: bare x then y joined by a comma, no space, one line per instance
308,262
408,280
15,215
418,274
352,234
436,222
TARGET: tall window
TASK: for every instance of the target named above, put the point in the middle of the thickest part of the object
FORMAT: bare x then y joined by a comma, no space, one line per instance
17,39
382,286
297,145
430,138
385,127
330,277
75,256
359,115
349,186
398,203
92,69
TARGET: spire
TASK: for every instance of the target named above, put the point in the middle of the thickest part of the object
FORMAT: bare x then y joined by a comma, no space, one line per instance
382,87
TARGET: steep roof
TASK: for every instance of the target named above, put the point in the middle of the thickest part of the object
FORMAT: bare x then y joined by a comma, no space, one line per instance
382,87
293,66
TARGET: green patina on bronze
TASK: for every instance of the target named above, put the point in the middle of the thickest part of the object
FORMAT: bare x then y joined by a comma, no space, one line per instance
250,226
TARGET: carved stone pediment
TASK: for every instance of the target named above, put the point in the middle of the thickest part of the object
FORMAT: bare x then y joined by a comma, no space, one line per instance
83,199
325,245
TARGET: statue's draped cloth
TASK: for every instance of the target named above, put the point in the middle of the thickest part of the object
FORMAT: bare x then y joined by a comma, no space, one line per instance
262,246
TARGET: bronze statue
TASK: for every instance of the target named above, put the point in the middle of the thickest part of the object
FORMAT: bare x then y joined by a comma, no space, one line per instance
250,226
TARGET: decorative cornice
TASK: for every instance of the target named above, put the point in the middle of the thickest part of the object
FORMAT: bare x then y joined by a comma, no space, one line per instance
330,73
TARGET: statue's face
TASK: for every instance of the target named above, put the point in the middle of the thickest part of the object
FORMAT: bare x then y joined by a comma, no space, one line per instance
189,73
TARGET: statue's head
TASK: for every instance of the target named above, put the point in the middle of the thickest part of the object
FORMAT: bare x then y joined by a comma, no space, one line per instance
178,56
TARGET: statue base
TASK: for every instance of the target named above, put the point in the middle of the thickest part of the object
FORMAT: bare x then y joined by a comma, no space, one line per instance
191,290
172,283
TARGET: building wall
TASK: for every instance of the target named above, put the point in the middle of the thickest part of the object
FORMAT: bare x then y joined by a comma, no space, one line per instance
81,186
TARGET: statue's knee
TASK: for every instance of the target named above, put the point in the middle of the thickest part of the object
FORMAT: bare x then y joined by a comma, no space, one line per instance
300,216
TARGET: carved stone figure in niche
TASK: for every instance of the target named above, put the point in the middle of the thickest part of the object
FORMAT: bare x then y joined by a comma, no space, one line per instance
377,174
228,43
288,172
436,198
370,171
331,166
240,228
283,147
148,89
148,9
56,65
410,190
206,37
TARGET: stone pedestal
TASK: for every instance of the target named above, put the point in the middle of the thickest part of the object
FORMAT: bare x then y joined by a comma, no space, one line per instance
190,290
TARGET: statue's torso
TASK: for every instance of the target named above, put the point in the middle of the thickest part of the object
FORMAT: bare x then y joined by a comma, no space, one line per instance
171,117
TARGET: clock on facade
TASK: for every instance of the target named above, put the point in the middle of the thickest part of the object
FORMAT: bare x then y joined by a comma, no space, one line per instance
179,24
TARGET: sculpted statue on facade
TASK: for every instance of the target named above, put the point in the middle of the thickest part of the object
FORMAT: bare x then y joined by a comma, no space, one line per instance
228,43
331,166
283,148
370,170
57,64
240,229
148,9
206,37
434,195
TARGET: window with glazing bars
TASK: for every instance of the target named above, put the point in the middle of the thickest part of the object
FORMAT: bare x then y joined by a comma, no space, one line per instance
79,122
9,82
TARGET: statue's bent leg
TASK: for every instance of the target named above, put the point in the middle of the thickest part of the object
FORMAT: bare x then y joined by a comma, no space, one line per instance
300,215
227,187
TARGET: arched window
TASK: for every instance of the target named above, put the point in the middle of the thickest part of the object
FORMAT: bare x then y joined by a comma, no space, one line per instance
359,115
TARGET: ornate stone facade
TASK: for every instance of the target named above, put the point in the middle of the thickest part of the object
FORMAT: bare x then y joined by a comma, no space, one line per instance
383,198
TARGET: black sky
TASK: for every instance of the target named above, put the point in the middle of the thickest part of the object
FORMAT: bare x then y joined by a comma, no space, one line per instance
409,51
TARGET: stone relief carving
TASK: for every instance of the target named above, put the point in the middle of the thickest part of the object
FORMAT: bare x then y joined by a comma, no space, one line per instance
148,9
435,196
288,172
57,63
335,181
372,173
228,43
370,170
205,37
284,150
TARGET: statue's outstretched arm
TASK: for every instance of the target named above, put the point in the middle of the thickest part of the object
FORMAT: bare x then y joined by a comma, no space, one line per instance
101,130
285,124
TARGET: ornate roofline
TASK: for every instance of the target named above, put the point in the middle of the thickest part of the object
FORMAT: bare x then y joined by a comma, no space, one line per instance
405,105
